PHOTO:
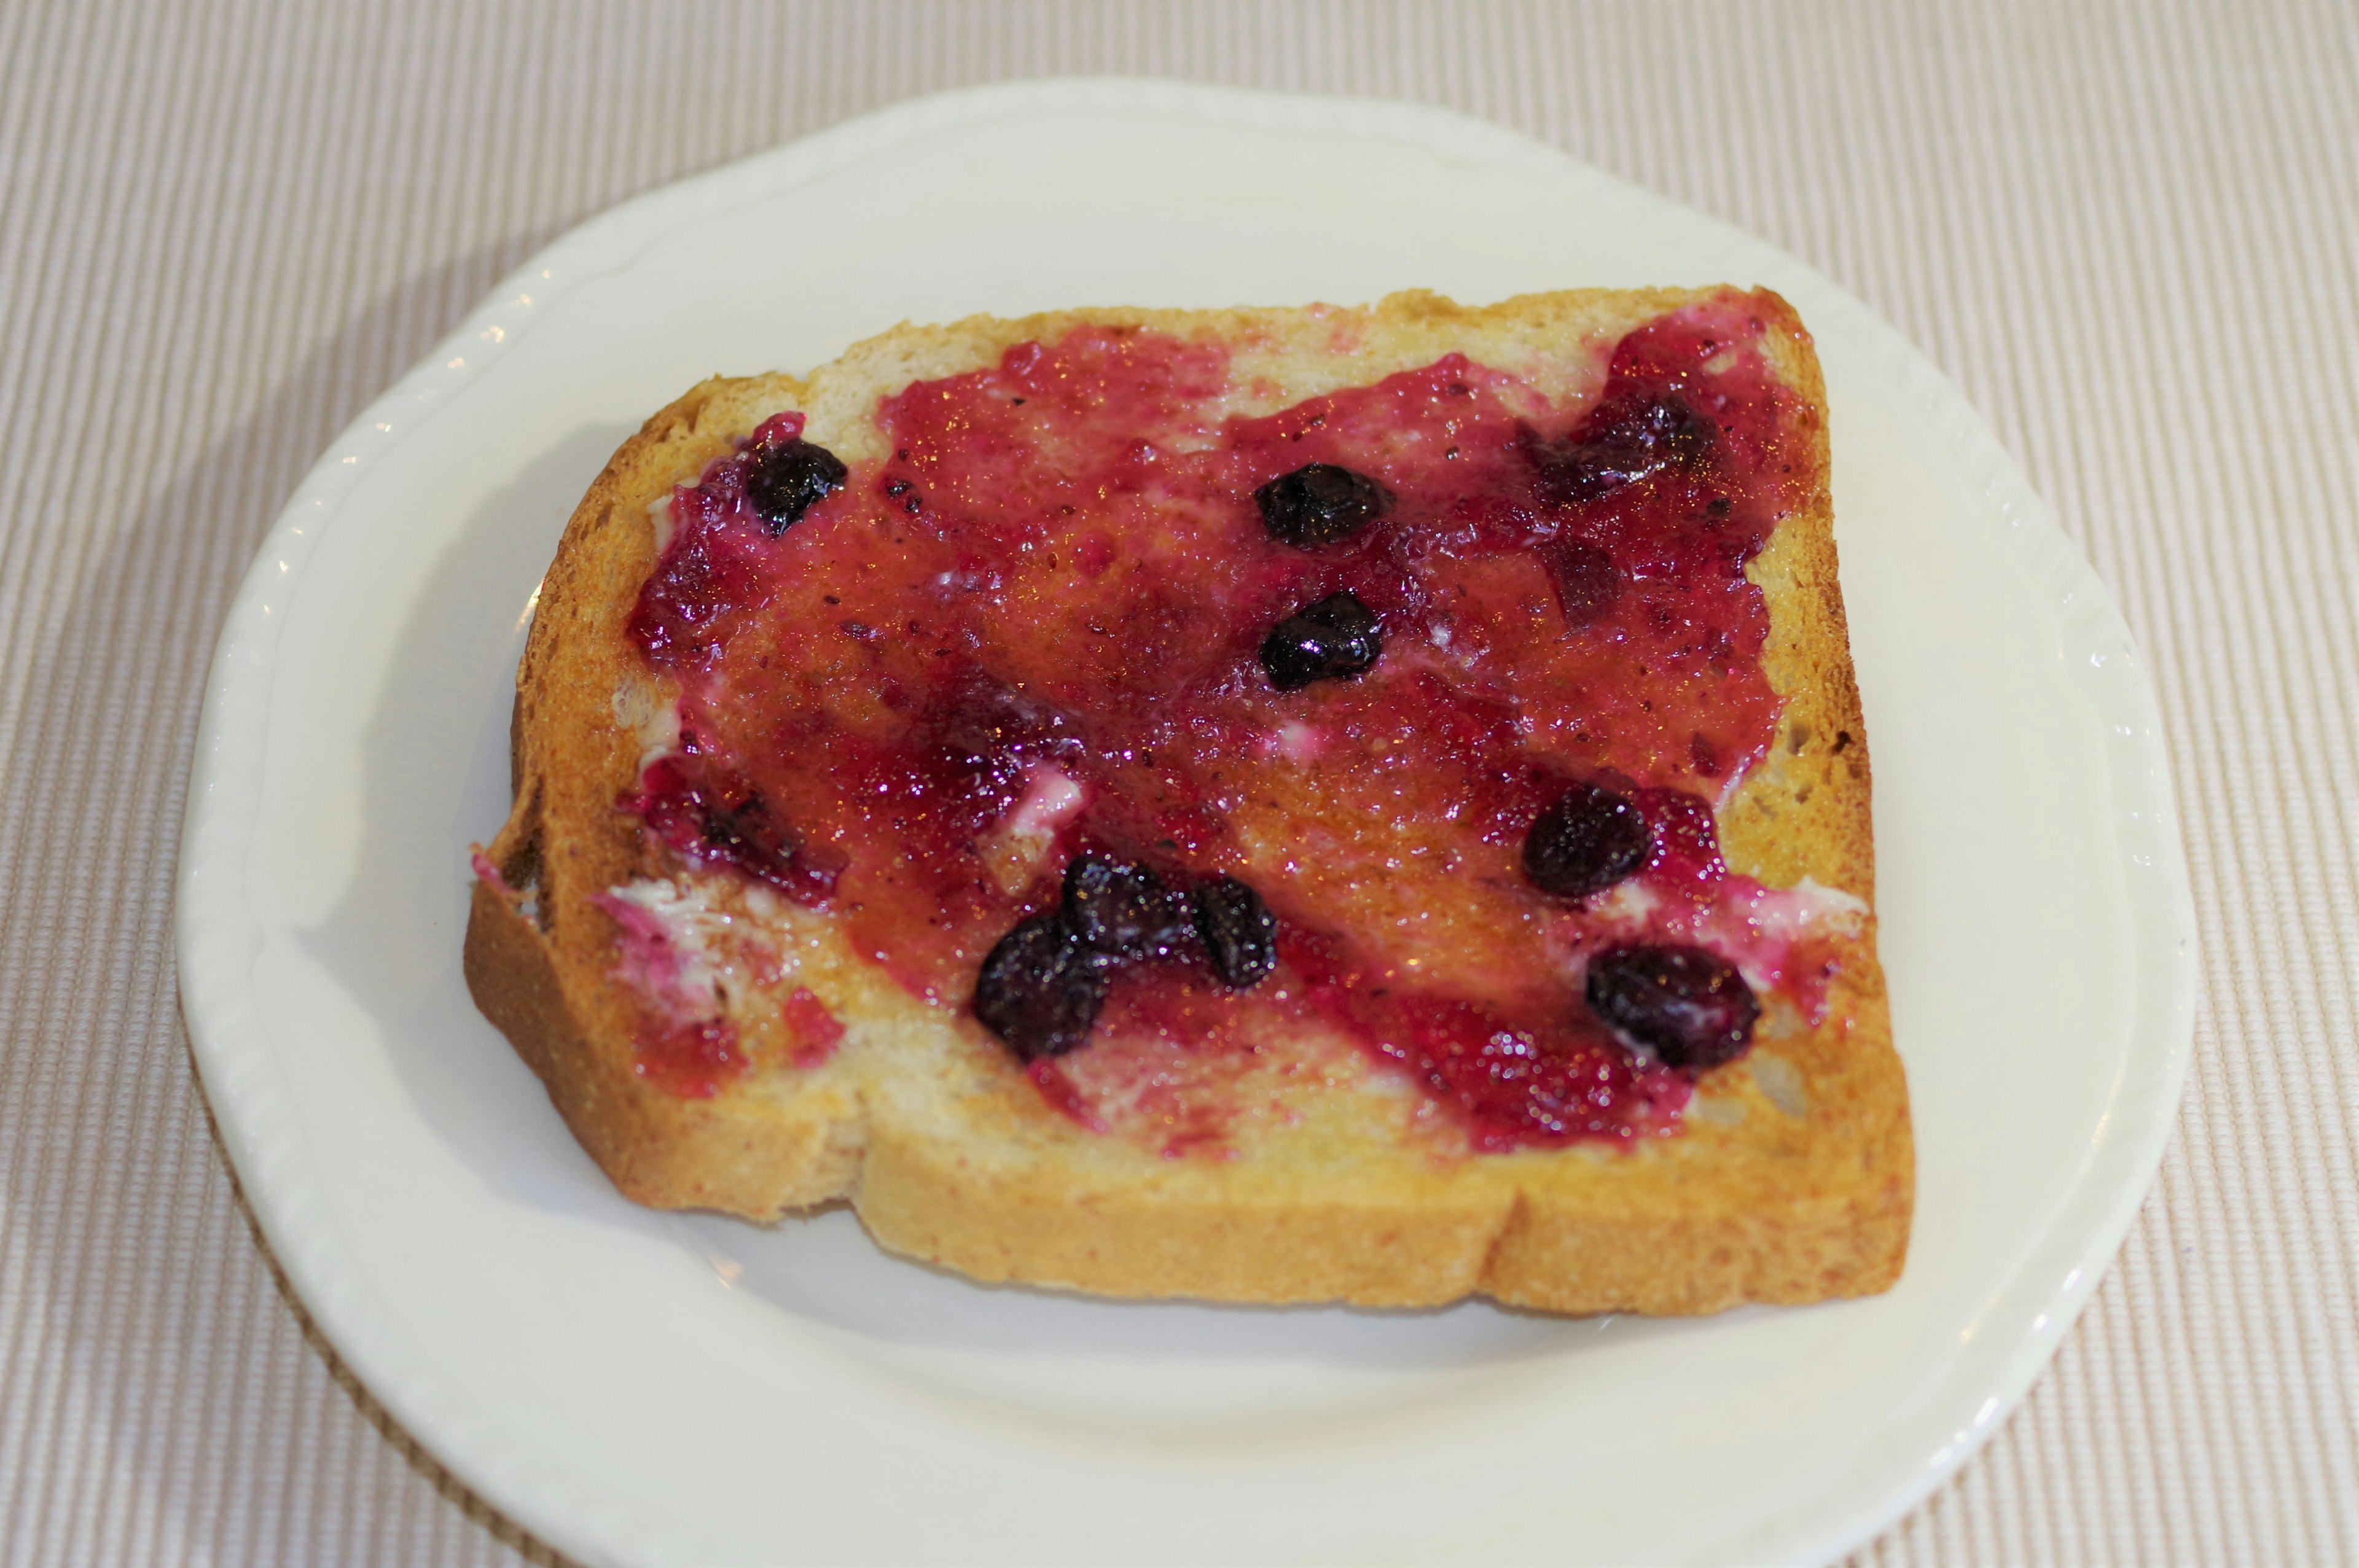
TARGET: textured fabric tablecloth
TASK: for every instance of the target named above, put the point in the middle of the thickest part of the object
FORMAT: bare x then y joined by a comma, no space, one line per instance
2130,232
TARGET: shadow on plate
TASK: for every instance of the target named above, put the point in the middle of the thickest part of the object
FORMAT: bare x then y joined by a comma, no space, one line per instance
434,777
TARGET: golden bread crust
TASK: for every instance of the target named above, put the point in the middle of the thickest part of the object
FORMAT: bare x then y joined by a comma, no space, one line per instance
1792,1180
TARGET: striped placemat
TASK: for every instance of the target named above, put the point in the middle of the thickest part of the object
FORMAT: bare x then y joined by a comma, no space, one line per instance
2128,231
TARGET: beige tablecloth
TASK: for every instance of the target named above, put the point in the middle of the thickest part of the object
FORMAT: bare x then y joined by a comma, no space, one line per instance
2130,232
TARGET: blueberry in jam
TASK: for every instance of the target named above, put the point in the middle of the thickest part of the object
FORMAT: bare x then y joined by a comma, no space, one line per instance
1321,503
1121,910
1623,442
1238,931
744,833
788,479
1688,1007
1586,841
1040,989
1333,639
723,819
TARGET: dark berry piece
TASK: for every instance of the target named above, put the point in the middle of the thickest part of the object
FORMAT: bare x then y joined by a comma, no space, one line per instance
1121,910
1686,1006
1588,583
1587,841
1040,989
744,832
1238,929
1622,442
1333,639
720,820
1321,503
787,479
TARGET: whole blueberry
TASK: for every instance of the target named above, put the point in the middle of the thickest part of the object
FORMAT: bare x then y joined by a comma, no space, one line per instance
1321,503
1121,909
1333,639
1040,989
1687,1007
787,479
1239,932
1586,841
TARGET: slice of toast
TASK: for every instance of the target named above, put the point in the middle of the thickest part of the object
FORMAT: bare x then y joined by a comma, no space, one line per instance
748,1030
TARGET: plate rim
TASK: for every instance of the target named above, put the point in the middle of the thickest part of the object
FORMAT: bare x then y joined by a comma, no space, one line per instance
218,933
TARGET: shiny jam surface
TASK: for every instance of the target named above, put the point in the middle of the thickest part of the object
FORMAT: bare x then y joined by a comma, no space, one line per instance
1034,629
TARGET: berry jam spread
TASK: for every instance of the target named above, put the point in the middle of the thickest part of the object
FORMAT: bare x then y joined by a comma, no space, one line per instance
1349,658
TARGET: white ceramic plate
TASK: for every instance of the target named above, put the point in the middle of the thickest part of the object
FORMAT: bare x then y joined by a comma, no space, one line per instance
635,1387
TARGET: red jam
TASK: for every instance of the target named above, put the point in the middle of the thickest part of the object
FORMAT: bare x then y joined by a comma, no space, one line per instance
1043,612
815,1032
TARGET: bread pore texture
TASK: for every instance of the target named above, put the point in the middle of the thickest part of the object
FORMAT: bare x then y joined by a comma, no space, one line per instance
1297,805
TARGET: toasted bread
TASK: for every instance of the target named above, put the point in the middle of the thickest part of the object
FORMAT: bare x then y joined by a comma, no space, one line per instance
1329,1173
